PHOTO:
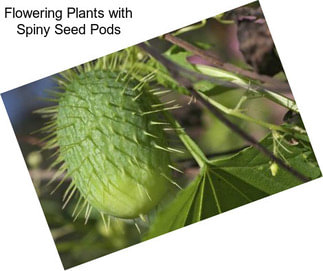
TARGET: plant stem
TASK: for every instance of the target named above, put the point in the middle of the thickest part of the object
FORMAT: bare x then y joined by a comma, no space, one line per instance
246,136
236,113
174,70
214,60
211,156
191,146
242,83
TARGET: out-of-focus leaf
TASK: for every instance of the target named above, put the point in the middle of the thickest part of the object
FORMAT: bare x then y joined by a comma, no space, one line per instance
190,28
220,19
180,58
162,76
210,89
221,74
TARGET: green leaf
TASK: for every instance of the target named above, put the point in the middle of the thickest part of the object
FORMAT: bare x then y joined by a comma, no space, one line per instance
253,167
175,214
180,58
212,192
232,182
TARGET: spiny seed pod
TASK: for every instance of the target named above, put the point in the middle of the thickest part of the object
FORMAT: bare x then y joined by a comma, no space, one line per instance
110,142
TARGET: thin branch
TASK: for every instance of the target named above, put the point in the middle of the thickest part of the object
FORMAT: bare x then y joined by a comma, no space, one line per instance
269,94
191,162
273,84
238,114
175,71
228,152
247,137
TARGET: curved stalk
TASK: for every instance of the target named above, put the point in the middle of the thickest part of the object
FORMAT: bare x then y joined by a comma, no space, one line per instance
191,146
236,113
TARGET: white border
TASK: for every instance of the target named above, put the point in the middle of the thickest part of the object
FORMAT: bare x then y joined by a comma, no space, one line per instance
281,232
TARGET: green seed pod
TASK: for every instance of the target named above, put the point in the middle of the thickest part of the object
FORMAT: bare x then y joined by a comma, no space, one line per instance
109,143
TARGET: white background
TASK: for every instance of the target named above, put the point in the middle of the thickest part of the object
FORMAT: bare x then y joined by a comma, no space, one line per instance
281,232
